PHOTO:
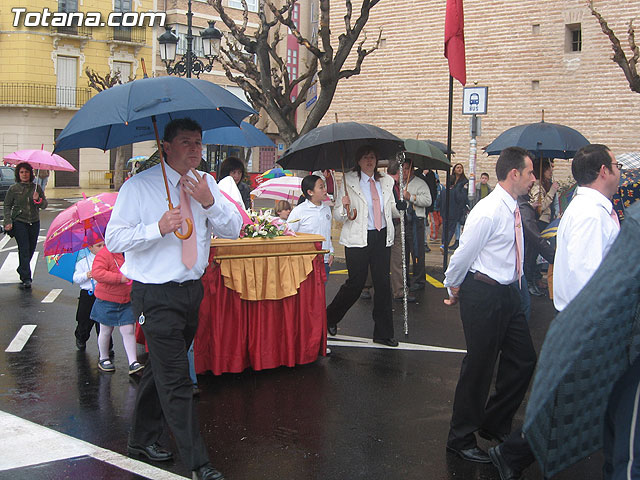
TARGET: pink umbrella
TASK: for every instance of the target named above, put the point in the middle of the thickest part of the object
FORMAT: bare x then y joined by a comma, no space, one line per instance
281,188
80,225
39,159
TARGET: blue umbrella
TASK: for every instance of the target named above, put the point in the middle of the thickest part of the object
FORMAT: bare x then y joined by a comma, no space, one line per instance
245,136
63,265
124,114
138,110
542,139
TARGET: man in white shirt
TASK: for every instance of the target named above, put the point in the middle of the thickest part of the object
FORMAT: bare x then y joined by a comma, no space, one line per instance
484,274
589,226
167,290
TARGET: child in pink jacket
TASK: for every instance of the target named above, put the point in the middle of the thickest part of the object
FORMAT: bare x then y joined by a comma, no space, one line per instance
112,308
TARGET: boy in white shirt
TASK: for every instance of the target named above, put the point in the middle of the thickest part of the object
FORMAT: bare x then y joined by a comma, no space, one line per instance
82,277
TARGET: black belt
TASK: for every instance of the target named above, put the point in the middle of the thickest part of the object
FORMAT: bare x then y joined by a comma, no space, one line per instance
481,277
186,283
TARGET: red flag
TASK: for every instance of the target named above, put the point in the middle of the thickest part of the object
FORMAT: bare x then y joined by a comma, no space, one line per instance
454,40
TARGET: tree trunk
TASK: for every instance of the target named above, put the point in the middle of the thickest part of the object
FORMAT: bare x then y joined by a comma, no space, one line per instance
119,170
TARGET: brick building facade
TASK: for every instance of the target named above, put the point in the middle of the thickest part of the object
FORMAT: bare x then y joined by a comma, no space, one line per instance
524,51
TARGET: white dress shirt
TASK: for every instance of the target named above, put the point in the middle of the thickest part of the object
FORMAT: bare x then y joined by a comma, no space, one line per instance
488,242
83,266
134,230
365,186
313,219
585,234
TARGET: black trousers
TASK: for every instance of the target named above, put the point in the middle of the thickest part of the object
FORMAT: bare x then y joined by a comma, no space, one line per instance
375,256
165,390
516,451
415,242
494,326
83,317
26,235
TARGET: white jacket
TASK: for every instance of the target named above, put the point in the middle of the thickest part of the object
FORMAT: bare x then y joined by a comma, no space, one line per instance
420,195
354,232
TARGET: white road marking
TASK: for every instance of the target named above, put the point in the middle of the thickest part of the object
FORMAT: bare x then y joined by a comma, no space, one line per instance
25,443
52,295
4,241
8,272
21,339
360,342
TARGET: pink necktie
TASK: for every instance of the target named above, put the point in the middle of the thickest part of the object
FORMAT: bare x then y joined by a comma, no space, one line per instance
518,232
377,214
614,215
189,245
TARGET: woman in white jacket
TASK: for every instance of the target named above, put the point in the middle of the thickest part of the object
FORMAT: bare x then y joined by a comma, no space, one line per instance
367,239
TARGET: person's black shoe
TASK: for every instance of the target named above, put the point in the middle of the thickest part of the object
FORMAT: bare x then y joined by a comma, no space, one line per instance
365,294
27,284
534,290
153,452
389,342
207,472
416,286
427,249
474,454
410,298
505,471
332,329
494,437
82,346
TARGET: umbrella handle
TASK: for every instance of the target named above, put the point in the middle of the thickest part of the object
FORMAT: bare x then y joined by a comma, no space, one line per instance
184,236
351,214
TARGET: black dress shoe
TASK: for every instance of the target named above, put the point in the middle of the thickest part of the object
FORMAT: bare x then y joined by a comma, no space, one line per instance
207,472
365,294
505,471
410,298
389,342
474,454
81,346
332,329
494,437
153,452
416,286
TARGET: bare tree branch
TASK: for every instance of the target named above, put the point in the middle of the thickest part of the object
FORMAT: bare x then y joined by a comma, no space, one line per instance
629,67
268,83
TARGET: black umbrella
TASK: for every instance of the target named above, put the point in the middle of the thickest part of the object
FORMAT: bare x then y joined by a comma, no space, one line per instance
542,139
334,146
588,347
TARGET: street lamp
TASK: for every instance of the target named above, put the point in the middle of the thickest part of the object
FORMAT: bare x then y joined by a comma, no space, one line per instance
190,63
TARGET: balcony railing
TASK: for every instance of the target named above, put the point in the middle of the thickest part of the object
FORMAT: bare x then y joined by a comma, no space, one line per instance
82,31
36,94
128,34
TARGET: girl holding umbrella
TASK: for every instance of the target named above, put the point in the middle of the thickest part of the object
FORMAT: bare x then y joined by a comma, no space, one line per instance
367,237
22,207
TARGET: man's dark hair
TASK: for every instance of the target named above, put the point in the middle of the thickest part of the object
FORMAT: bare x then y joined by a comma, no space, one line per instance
309,183
588,161
510,158
229,165
484,174
174,126
23,165
393,167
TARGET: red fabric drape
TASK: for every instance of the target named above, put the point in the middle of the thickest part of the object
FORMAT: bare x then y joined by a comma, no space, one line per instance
454,40
235,334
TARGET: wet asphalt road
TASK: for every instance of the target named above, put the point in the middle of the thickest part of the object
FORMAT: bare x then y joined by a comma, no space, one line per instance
362,413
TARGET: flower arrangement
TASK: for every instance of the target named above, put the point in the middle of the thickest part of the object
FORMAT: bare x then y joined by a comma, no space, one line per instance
266,225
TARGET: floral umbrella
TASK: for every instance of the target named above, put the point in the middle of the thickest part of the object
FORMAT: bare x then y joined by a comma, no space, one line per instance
277,173
80,225
283,188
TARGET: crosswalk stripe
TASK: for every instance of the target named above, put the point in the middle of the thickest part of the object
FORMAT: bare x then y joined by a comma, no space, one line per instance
52,295
361,342
434,282
8,272
21,339
4,241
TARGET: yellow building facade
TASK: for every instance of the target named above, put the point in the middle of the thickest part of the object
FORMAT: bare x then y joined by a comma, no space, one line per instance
43,79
